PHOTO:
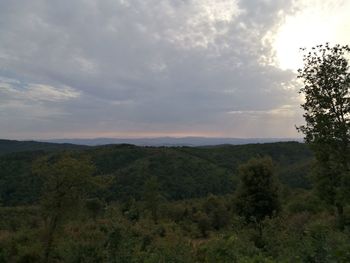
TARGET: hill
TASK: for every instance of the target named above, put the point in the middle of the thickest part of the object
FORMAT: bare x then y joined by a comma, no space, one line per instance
182,172
172,141
11,146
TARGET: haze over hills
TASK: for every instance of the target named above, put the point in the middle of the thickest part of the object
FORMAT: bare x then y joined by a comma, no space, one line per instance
171,141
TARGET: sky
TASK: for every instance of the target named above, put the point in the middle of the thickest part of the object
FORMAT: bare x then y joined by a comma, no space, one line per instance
149,68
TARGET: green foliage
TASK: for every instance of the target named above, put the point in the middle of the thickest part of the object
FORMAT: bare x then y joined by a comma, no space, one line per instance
203,222
17,183
180,176
296,175
182,172
65,183
305,201
292,237
217,212
109,159
227,249
105,214
170,251
20,246
11,218
258,194
11,146
152,197
302,237
326,78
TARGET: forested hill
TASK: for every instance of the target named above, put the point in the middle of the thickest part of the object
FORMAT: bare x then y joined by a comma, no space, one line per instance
10,146
182,172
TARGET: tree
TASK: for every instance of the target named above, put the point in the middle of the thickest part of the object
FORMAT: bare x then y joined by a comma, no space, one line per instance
203,222
215,208
258,192
257,195
326,88
65,181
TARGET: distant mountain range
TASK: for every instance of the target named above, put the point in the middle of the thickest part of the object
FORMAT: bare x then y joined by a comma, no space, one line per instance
171,141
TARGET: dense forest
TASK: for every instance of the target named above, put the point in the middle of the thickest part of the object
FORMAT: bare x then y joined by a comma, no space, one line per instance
123,203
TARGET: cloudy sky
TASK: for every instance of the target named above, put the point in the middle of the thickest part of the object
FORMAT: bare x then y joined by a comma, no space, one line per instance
145,68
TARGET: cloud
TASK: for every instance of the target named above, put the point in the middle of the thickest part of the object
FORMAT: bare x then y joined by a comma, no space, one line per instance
15,90
30,105
142,67
285,110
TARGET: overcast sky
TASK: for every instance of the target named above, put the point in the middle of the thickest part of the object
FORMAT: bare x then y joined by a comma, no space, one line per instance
119,68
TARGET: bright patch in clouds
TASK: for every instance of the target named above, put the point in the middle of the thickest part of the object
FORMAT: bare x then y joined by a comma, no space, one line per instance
13,89
316,22
32,104
284,110
49,93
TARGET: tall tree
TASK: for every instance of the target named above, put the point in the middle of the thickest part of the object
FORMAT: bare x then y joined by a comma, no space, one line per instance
258,192
257,195
326,88
65,183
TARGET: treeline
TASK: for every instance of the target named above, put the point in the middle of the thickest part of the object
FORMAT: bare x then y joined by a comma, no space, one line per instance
182,172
